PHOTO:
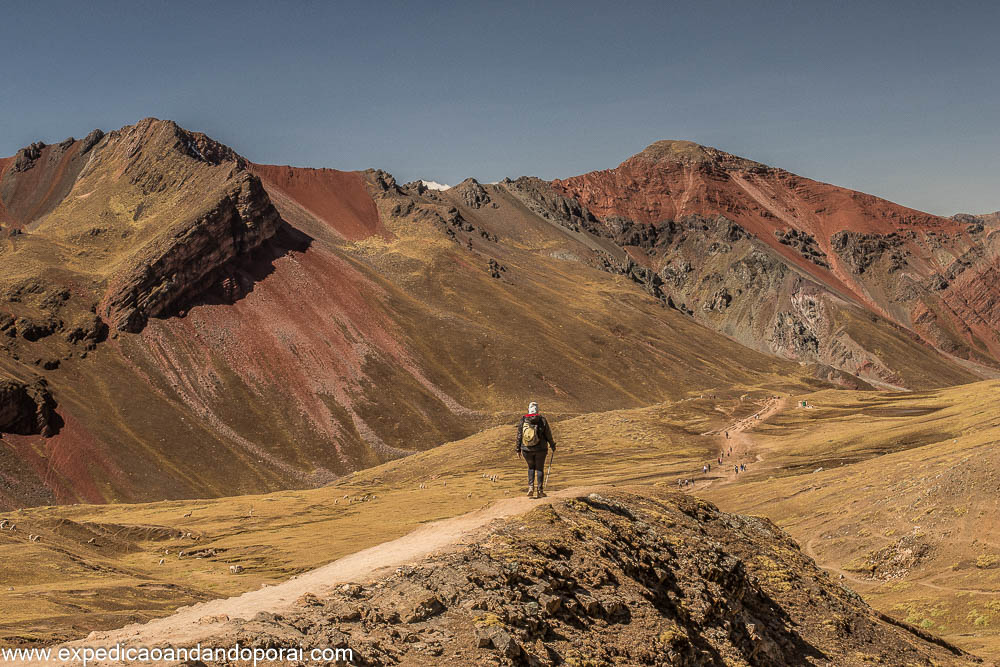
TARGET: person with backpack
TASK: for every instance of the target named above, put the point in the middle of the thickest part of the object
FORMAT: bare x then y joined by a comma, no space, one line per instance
534,437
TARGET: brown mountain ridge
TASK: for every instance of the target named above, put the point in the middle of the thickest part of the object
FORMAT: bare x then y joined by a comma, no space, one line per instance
289,325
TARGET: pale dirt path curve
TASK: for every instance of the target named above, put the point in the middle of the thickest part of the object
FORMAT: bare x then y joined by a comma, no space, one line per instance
189,625
809,549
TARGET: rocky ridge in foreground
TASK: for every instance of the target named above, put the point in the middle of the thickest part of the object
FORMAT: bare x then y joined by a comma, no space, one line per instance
609,578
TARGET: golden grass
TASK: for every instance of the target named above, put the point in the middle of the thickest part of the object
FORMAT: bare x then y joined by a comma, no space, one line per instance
908,489
280,534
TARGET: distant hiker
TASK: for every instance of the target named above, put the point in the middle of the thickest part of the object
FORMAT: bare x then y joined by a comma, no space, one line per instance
727,435
736,469
533,434
704,470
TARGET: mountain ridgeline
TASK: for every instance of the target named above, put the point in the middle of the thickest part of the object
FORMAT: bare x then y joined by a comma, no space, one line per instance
177,321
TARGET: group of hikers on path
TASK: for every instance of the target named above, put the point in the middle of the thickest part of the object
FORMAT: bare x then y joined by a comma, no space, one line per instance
707,468
720,459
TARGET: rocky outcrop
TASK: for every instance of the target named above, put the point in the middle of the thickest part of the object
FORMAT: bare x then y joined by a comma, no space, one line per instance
760,268
720,300
420,203
793,336
804,243
472,193
26,408
91,140
605,579
542,200
976,223
861,251
26,157
162,276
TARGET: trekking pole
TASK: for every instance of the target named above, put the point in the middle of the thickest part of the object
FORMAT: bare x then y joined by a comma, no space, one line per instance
548,470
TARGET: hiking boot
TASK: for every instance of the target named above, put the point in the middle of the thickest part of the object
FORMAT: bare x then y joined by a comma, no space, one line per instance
531,491
540,493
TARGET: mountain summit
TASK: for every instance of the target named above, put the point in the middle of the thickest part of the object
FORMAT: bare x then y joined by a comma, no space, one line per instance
688,153
912,271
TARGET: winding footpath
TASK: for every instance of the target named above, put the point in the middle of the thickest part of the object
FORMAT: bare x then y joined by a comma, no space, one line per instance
741,444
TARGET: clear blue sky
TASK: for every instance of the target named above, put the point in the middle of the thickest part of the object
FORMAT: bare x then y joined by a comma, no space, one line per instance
900,99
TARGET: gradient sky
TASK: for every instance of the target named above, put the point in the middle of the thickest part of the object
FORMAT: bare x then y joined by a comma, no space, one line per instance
899,99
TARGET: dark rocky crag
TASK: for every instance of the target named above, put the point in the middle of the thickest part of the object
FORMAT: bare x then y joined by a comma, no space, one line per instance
26,408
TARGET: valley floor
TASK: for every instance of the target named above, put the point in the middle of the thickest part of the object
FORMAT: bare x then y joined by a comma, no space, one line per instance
894,494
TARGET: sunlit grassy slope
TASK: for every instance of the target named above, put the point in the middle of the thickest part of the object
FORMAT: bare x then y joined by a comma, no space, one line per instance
899,493
98,566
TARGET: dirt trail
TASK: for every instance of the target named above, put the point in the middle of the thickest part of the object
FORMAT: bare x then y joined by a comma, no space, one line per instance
742,445
191,624
809,549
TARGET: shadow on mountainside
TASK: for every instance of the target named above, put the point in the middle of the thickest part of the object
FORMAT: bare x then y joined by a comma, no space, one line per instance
233,281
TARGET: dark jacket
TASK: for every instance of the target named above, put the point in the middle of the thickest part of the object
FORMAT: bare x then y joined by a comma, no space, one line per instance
541,425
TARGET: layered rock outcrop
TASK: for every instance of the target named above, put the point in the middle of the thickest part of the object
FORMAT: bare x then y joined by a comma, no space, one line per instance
180,265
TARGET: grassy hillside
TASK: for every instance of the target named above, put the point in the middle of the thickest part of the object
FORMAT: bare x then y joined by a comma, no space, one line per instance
896,492
93,564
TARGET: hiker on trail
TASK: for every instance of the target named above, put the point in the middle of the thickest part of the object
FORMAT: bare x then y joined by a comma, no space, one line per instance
727,435
704,469
736,469
533,434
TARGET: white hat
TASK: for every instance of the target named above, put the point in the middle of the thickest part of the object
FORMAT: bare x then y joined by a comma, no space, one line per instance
532,408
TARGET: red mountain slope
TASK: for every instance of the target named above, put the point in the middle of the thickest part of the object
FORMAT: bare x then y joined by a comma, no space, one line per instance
340,199
929,274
